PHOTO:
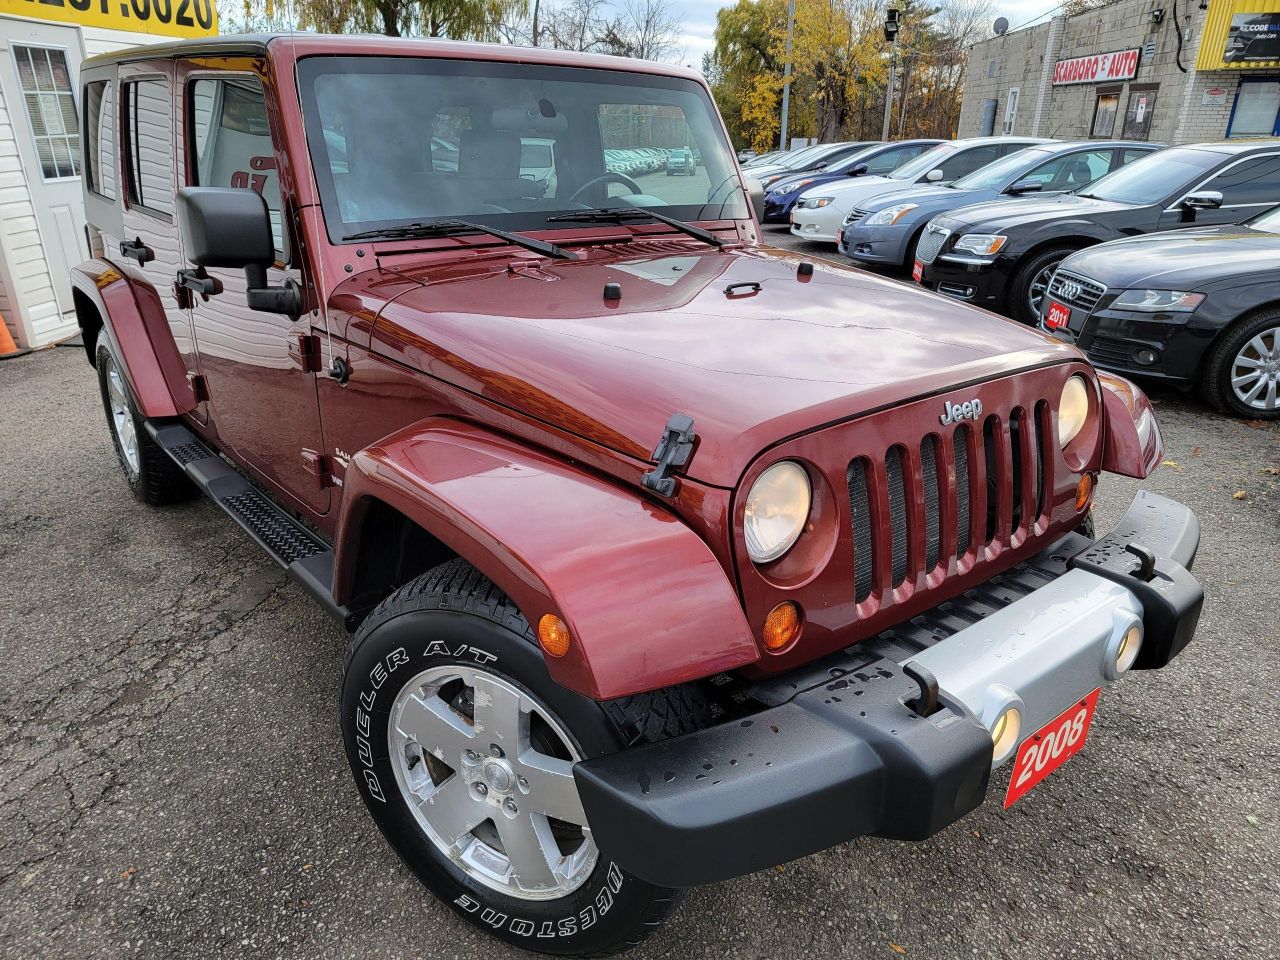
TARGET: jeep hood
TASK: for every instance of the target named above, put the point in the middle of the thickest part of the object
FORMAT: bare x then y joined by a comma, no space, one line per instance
752,366
997,215
1181,259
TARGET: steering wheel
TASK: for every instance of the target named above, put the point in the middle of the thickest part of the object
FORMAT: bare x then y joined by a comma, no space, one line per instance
621,178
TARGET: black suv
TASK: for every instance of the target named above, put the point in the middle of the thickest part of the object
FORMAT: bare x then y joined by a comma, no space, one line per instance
1001,255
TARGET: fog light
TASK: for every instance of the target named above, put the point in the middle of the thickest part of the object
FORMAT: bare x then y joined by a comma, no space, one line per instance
1127,652
553,635
1084,490
1145,357
1004,734
782,627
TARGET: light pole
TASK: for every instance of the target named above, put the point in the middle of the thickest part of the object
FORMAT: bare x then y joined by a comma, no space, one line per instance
891,35
786,75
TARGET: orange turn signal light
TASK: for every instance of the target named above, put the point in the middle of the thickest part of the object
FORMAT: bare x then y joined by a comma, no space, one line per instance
1084,490
782,626
553,635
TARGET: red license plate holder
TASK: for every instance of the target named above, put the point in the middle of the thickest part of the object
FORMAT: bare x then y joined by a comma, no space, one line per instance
1050,747
1058,317
917,271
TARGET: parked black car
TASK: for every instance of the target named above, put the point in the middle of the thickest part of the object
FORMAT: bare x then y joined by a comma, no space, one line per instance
1001,255
1196,307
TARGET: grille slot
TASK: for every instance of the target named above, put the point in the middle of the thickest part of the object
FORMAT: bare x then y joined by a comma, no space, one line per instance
931,242
960,441
1075,290
897,513
932,533
860,511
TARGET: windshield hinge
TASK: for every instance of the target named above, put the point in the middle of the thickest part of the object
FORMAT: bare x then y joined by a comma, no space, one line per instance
675,449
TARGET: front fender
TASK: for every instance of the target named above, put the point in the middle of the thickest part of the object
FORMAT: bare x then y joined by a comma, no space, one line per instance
646,601
139,330
1131,437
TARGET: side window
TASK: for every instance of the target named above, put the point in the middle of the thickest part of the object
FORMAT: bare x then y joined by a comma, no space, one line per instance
100,137
149,145
1071,171
1131,155
229,141
1256,180
967,161
890,160
51,108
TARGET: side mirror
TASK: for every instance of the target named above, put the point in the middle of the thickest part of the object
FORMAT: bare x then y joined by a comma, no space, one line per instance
1204,200
821,166
935,175
859,170
230,227
1025,186
755,193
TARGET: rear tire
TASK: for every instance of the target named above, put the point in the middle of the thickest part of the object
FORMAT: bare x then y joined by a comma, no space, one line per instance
1031,282
1246,358
150,473
470,817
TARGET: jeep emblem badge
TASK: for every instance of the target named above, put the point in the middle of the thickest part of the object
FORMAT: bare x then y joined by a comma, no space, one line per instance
955,412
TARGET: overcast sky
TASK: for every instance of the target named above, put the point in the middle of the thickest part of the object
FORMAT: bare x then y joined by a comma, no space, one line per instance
699,19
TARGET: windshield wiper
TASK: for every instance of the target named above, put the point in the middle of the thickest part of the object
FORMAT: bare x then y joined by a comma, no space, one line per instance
618,214
444,228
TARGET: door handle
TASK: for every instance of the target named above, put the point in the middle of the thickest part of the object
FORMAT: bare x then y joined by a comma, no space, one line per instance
135,249
197,281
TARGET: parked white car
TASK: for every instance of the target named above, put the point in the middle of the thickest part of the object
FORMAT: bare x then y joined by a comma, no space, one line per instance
821,210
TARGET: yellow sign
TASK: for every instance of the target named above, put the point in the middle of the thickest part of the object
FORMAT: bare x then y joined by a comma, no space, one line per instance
166,18
1241,35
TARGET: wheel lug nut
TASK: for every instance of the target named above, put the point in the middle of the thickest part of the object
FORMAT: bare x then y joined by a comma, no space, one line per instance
481,789
472,756
495,750
524,783
511,806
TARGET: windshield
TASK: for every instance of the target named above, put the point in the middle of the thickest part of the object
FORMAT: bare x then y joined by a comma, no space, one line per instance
1267,221
995,175
396,140
1152,178
924,163
793,161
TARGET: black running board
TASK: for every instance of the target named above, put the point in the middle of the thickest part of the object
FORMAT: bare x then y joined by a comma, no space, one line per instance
304,556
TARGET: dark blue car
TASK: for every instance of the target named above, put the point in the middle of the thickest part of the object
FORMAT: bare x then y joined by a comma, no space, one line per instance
876,160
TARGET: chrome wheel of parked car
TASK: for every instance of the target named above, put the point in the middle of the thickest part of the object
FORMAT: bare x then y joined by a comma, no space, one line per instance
1255,371
121,416
487,771
1039,287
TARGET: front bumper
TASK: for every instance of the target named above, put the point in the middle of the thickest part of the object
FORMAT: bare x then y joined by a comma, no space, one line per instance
778,209
883,245
1166,346
984,284
839,752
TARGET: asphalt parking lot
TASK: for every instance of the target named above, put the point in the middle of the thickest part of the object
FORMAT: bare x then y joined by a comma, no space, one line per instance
173,784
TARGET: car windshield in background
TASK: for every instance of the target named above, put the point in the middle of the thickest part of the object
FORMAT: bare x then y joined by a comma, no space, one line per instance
398,140
995,174
924,163
1152,178
1267,221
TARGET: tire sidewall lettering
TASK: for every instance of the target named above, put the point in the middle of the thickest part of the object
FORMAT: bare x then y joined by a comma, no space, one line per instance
567,926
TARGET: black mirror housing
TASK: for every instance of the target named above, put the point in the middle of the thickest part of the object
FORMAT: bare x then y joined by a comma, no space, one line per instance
1025,186
859,170
226,227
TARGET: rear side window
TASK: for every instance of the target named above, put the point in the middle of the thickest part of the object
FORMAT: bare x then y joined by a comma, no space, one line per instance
967,161
149,146
100,137
1072,171
229,141
892,159
1256,180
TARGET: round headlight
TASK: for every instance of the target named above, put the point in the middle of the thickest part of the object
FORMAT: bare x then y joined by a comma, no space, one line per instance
1073,409
777,509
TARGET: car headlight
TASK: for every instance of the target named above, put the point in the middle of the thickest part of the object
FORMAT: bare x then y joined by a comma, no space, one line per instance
815,203
777,509
1172,301
890,215
1073,409
980,244
770,181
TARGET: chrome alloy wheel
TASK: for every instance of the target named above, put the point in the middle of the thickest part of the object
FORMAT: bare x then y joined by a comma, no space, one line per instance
487,771
1039,287
1255,371
122,418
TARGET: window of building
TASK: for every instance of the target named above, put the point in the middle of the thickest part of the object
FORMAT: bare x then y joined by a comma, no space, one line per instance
1257,109
51,107
1104,113
100,138
229,141
149,145
1011,109
1254,181
1138,114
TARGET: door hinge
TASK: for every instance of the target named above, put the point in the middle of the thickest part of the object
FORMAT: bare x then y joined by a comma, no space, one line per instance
199,387
320,467
304,350
675,449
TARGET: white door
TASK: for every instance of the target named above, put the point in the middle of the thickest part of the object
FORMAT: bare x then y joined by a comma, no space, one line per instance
41,83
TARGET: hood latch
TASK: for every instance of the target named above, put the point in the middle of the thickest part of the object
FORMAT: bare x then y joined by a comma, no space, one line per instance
675,449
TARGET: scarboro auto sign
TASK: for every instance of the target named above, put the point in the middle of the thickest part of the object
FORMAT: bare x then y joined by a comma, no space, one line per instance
1099,68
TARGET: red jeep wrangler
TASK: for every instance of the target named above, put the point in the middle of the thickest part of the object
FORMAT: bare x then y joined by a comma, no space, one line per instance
667,557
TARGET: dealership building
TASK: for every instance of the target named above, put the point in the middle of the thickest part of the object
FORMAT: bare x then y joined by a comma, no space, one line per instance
42,225
1153,70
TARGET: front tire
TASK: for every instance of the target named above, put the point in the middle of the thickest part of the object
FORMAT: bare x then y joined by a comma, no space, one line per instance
1031,283
462,748
1242,373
